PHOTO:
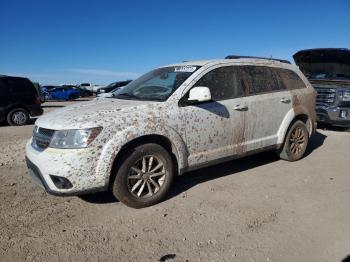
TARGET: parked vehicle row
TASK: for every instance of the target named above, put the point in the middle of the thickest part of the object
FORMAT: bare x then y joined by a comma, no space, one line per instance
171,120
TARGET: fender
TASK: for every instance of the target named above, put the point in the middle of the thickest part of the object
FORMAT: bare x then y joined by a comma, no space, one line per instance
288,119
118,140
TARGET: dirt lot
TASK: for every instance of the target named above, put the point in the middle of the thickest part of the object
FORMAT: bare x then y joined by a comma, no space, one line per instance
254,209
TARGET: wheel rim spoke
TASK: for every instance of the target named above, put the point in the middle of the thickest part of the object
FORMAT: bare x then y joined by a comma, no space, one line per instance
149,188
136,185
155,185
135,169
141,188
134,177
156,168
144,164
157,174
150,163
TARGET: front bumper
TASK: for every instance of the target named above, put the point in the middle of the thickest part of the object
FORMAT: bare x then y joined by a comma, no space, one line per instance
333,116
48,168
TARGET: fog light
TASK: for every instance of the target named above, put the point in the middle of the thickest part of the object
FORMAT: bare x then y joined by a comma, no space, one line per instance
343,114
61,182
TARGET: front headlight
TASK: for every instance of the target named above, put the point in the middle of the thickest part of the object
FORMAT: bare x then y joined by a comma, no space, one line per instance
78,138
345,95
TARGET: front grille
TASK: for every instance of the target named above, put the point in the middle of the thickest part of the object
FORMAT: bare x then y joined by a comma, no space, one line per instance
325,96
42,137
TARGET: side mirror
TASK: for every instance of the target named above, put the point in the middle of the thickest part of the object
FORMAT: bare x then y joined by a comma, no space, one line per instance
199,94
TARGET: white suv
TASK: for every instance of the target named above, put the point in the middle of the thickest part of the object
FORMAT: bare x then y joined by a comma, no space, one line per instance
171,120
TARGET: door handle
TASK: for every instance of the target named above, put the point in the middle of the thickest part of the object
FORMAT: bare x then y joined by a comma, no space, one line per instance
285,100
240,107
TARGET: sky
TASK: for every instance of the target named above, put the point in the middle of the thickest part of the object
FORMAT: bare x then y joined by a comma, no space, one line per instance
70,42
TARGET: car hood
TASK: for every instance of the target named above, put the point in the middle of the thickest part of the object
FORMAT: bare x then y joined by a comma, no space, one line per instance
97,112
334,62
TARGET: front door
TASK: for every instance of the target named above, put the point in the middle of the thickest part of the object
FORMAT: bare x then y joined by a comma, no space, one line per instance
215,129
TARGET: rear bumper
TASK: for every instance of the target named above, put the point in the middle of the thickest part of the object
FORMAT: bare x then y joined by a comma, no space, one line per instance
333,116
35,110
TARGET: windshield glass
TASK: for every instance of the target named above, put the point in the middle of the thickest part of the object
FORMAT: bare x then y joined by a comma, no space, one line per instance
156,85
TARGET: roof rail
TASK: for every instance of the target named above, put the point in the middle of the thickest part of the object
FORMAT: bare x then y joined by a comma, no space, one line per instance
256,57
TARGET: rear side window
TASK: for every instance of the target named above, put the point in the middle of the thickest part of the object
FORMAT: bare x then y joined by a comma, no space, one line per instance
223,83
289,80
20,86
258,79
3,86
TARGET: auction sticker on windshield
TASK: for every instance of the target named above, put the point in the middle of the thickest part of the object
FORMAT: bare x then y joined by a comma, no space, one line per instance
187,69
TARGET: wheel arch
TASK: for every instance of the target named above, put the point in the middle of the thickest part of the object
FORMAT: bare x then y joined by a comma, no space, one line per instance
288,121
15,106
145,139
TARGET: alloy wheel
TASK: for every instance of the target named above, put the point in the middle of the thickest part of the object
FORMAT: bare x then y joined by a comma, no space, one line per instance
19,118
297,141
146,176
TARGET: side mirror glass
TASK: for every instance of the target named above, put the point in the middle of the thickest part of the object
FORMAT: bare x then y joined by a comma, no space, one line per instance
199,94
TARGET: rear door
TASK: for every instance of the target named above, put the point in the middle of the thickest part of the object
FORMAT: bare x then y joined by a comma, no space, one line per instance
268,103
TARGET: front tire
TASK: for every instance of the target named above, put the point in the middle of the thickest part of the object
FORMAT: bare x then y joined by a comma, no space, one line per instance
144,177
17,117
296,142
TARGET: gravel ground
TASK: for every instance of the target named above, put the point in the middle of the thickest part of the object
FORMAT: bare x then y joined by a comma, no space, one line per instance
254,209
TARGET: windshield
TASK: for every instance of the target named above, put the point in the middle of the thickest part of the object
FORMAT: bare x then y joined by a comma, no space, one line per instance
156,85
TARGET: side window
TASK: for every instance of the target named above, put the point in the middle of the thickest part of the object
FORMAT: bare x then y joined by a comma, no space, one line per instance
259,79
223,83
289,79
20,86
3,87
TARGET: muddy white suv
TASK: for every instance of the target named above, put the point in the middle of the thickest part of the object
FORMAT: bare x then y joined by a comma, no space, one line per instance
171,120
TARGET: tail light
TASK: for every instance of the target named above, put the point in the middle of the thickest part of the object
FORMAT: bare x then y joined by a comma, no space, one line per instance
37,100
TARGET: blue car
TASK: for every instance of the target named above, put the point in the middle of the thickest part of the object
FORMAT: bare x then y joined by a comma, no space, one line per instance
62,93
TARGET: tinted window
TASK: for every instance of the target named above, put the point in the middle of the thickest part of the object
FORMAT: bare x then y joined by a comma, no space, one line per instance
3,86
20,85
223,83
259,79
289,80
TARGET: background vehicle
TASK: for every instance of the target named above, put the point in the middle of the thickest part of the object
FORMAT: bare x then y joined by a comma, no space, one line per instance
328,70
171,120
63,93
83,92
112,86
86,86
18,100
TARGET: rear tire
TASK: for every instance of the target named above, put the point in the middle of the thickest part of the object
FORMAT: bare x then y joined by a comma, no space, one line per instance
144,176
296,142
17,117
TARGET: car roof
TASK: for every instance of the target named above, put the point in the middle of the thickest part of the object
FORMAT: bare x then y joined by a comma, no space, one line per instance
251,61
6,76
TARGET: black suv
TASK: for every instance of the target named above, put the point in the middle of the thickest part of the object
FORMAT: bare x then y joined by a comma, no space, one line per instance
18,100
